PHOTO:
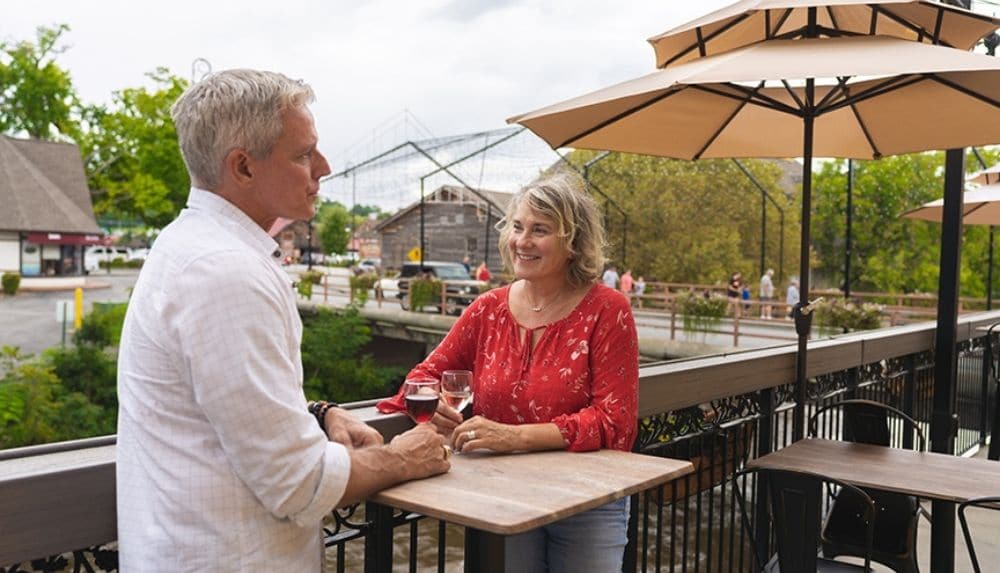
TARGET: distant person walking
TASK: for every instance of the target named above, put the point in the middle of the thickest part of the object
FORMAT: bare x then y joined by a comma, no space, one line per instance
766,294
610,277
792,295
734,290
483,272
627,284
640,290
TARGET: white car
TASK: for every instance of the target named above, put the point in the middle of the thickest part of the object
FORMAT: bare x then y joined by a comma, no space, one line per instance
94,256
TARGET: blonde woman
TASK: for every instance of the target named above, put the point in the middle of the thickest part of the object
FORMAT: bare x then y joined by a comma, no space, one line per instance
555,362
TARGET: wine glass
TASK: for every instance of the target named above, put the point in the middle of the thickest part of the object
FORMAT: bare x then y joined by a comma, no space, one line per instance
421,396
456,387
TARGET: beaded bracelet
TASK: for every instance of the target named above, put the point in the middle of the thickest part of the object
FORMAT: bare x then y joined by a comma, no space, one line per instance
319,409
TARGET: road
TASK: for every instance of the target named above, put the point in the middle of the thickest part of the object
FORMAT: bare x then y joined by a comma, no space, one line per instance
27,320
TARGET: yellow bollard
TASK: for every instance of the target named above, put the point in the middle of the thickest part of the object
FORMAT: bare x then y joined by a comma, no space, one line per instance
78,309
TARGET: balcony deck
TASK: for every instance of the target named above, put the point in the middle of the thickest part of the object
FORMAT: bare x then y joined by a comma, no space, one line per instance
718,411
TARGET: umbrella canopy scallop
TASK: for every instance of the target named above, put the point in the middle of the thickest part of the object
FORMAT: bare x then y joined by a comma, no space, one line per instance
750,21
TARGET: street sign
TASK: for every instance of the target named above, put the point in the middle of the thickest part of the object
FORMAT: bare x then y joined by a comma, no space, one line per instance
414,255
64,310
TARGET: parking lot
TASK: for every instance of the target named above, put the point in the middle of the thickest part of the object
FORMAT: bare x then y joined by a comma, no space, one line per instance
28,319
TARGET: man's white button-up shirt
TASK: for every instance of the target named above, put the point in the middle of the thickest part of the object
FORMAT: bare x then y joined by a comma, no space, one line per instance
220,467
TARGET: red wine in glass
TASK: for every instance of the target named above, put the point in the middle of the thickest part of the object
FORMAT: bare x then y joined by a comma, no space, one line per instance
421,397
421,407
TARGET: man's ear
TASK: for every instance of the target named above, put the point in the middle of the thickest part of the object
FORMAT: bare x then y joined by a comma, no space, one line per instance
239,166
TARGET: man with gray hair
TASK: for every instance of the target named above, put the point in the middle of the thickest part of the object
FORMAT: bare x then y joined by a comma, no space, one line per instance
221,465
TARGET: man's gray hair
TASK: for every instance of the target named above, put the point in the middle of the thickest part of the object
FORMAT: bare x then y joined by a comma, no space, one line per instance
233,109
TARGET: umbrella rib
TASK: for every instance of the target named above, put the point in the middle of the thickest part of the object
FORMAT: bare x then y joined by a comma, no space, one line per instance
782,19
729,120
791,92
833,93
617,117
911,26
889,85
876,152
963,89
757,99
833,19
701,41
873,24
708,38
937,26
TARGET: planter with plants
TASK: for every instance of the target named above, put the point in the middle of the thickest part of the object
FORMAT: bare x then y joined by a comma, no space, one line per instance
838,315
700,313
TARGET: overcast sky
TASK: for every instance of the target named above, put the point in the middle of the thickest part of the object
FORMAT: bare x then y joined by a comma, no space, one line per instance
456,65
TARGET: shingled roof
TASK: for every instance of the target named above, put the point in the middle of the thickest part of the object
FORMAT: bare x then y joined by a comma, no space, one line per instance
43,188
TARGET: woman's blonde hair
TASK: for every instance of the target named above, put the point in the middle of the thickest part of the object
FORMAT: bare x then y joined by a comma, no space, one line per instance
577,219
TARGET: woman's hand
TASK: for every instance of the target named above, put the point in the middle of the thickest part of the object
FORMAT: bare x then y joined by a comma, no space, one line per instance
479,433
446,419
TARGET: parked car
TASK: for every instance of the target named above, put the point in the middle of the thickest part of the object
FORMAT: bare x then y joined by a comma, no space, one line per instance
94,256
370,265
460,288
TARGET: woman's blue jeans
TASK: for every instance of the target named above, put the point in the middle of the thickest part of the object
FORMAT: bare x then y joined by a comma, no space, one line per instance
589,542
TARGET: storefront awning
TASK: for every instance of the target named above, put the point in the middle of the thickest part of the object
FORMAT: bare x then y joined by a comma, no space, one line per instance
64,239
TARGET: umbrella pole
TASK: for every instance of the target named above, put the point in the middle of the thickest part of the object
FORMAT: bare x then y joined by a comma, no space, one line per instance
803,322
943,420
989,274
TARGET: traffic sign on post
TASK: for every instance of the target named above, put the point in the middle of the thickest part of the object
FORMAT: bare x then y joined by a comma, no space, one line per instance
414,255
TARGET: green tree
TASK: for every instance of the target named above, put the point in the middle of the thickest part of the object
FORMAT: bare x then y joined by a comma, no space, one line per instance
890,254
332,223
333,362
691,221
132,157
36,95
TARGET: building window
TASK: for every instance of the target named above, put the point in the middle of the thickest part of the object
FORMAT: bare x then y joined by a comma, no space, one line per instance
471,245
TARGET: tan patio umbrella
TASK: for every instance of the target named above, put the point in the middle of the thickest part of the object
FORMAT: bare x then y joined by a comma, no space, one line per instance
987,176
980,206
750,21
883,96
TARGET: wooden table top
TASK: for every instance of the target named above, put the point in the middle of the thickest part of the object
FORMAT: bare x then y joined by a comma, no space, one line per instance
512,493
922,474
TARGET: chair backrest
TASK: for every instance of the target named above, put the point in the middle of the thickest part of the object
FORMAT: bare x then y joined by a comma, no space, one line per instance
795,501
982,502
867,422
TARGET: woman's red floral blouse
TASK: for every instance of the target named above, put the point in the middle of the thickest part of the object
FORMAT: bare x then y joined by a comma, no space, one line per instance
582,375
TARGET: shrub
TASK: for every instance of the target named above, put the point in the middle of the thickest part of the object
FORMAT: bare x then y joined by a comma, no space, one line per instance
120,263
700,313
333,365
10,282
88,370
314,277
103,326
839,315
424,292
304,288
360,285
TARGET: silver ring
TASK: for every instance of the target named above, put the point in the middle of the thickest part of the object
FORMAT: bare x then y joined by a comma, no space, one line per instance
470,435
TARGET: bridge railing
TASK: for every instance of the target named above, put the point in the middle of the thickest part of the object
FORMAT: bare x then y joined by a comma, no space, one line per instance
719,411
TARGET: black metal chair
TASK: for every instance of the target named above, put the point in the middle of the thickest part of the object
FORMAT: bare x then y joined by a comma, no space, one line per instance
896,515
980,502
795,503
